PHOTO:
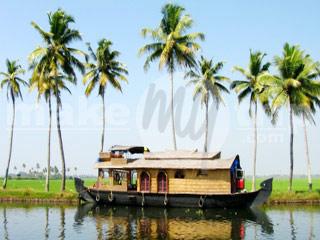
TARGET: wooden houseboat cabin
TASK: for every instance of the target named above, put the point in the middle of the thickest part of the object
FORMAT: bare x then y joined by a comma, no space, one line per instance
174,172
136,176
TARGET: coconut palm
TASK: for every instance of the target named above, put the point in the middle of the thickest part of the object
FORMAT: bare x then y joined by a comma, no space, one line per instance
104,71
309,75
42,83
12,82
293,87
58,61
208,84
172,45
254,89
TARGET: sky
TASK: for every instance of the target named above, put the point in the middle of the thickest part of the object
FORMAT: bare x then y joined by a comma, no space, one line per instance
135,117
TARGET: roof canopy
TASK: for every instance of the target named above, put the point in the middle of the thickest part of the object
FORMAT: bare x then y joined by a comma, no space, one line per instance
171,164
181,154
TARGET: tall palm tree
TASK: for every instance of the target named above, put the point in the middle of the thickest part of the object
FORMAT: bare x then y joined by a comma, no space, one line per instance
307,76
207,84
173,46
12,83
106,70
44,85
255,90
293,87
59,61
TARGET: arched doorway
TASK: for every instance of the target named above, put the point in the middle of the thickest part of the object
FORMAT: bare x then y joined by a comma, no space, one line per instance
144,182
162,182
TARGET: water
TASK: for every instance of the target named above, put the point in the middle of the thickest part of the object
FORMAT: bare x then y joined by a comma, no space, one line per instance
90,222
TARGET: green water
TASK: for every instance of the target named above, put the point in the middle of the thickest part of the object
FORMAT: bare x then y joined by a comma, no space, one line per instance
92,222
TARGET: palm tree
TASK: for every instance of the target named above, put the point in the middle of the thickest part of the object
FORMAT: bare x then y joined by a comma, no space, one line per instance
43,82
304,117
106,70
255,89
309,75
172,46
293,87
55,59
207,83
12,83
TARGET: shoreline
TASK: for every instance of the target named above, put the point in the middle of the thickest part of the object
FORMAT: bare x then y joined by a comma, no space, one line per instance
36,201
74,201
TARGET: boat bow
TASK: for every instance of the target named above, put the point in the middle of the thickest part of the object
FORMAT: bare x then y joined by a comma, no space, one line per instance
264,193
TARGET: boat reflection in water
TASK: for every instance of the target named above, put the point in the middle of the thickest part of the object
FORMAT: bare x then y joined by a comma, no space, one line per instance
173,223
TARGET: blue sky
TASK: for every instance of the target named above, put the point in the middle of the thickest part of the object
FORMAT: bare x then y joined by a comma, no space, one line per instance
231,28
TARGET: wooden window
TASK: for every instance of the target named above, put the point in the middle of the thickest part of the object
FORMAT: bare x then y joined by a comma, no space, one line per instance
179,174
202,173
162,182
144,182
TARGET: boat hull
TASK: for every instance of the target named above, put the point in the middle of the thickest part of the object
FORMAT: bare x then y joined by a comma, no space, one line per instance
237,200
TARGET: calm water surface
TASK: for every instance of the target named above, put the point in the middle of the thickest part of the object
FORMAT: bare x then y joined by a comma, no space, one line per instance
91,222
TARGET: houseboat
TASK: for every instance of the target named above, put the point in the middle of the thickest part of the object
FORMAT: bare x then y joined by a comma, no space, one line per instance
132,175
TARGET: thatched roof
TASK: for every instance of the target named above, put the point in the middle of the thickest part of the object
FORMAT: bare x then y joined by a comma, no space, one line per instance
171,164
181,154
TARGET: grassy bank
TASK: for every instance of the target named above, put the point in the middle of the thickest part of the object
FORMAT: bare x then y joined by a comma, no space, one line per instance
33,191
300,193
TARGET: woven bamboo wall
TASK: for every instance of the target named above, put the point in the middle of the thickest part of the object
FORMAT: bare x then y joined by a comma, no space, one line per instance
215,181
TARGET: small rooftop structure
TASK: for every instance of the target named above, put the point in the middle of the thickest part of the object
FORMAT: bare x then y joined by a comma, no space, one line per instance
131,149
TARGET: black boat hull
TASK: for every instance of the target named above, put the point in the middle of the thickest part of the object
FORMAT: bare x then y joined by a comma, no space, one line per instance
237,200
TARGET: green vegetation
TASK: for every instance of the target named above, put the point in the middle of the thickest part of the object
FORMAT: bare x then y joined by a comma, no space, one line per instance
300,185
54,65
25,189
172,46
294,86
105,71
11,83
254,89
208,84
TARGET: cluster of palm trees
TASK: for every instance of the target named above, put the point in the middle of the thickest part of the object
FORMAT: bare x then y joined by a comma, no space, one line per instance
53,66
295,85
55,62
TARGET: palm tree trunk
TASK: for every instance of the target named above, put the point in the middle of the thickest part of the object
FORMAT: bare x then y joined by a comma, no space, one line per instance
47,188
11,143
307,153
207,128
172,112
103,122
255,147
291,149
63,170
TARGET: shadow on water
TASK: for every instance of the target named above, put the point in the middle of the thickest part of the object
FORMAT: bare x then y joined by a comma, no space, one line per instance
5,224
62,223
175,223
46,228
